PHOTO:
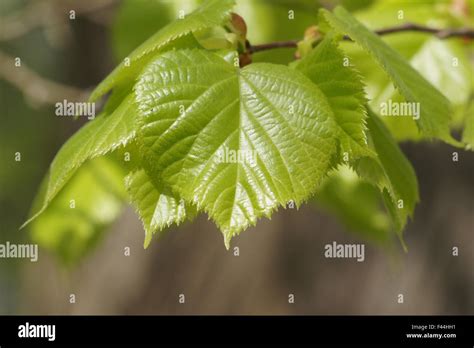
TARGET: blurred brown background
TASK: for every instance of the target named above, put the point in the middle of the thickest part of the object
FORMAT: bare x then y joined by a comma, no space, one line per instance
279,257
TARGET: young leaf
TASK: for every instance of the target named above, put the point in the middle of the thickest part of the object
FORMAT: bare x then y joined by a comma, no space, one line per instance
99,137
391,172
435,61
435,109
443,63
177,34
156,209
197,110
325,65
77,217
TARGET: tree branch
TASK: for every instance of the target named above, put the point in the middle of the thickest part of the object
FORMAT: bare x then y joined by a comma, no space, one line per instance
439,33
42,91
36,88
272,45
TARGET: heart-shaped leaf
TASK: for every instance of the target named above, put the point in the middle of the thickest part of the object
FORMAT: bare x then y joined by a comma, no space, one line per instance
235,142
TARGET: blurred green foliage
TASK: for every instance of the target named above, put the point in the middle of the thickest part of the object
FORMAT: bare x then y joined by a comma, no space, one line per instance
342,191
431,57
76,218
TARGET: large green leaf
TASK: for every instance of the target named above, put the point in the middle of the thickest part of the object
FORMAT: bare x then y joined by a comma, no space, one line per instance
77,217
324,65
156,209
98,137
391,172
435,111
197,109
177,34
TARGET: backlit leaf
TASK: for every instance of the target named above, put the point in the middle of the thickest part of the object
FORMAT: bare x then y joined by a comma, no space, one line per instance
326,66
196,109
435,111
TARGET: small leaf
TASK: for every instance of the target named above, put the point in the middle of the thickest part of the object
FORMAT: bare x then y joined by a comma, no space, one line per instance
326,66
197,111
156,209
435,111
77,217
177,34
98,137
391,172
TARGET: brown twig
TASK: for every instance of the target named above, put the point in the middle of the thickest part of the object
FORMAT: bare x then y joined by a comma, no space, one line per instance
440,33
272,45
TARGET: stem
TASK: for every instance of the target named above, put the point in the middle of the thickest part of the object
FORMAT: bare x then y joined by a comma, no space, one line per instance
440,33
272,45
